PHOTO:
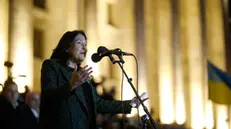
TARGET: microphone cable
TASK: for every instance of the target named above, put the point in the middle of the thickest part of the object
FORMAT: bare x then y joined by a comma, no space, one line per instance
137,88
123,115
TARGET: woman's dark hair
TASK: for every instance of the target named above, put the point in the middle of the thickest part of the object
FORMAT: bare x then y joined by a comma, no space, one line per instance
64,43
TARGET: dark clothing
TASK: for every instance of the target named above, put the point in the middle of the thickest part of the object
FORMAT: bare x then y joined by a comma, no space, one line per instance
7,114
62,109
25,118
89,102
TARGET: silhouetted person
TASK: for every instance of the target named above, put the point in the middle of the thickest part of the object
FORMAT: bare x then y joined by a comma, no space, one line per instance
22,96
109,95
28,113
8,104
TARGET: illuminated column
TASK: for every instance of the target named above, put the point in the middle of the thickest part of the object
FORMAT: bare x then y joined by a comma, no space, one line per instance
91,31
116,33
165,66
4,23
216,51
152,56
72,14
21,49
193,57
75,14
180,111
141,49
126,40
209,110
81,14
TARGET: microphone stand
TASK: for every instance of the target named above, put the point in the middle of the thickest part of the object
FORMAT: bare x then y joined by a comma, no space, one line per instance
120,62
144,120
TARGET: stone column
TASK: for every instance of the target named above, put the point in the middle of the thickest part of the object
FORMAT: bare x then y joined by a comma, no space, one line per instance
4,24
81,14
165,62
72,14
21,41
152,56
192,60
216,51
91,29
180,111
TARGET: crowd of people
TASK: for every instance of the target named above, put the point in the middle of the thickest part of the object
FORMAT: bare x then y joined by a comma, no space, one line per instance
21,111
18,111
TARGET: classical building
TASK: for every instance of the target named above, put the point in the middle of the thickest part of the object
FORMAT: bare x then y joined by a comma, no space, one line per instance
172,40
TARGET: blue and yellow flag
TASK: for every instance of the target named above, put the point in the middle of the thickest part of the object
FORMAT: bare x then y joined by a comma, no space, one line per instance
219,85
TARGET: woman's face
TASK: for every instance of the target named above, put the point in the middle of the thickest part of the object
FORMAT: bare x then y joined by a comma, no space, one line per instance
78,48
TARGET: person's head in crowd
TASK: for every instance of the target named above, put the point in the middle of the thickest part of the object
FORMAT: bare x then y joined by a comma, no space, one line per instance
10,92
33,100
27,89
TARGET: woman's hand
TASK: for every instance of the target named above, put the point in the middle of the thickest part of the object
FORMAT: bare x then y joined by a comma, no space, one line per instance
135,103
79,77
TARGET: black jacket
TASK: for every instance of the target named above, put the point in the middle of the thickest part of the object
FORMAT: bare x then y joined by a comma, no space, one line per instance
62,109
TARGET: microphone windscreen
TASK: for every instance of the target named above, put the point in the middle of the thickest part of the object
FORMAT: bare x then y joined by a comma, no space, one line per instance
96,58
102,49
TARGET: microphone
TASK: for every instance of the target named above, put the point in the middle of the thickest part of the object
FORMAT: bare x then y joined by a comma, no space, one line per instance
103,51
95,57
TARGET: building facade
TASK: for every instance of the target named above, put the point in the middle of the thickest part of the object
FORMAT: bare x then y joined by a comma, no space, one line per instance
172,40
